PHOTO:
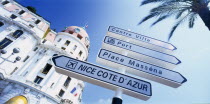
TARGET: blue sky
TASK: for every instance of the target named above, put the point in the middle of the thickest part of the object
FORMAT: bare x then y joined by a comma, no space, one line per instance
193,45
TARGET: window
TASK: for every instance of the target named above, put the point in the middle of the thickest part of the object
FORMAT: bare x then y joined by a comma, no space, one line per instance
75,47
37,21
86,39
32,26
80,53
87,46
35,49
13,16
79,36
59,40
4,43
17,34
66,84
21,12
76,30
26,58
61,93
5,2
46,68
1,24
71,32
67,42
38,80
63,48
44,41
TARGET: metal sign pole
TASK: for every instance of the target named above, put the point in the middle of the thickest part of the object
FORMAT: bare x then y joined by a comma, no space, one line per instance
117,99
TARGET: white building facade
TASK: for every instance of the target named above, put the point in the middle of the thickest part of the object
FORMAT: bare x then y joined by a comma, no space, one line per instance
27,74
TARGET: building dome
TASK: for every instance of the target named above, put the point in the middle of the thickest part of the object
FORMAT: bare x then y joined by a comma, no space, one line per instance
80,33
18,100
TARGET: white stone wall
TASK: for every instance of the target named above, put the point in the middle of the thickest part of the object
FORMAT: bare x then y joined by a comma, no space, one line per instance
19,77
62,37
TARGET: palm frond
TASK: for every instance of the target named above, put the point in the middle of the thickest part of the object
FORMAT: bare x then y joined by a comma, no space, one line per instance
163,1
151,1
146,18
180,9
192,18
172,30
176,25
179,14
169,8
164,10
160,19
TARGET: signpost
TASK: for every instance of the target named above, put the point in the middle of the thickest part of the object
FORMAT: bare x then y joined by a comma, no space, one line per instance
140,55
140,39
103,77
140,52
140,68
128,52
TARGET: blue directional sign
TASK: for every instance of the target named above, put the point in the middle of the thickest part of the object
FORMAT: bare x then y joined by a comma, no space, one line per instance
140,52
103,77
140,39
140,68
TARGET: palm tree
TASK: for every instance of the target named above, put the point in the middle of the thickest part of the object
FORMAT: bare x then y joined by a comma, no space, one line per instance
182,10
32,9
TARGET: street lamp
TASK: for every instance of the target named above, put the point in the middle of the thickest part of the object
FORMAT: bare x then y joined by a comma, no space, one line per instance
17,59
3,51
14,51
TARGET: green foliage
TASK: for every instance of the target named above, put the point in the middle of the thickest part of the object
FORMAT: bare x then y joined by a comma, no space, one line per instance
182,10
32,9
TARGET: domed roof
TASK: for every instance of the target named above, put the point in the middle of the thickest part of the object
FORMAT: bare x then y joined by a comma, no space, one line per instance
18,100
78,32
76,29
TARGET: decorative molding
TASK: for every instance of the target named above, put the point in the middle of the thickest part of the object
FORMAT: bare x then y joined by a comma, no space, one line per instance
27,90
39,96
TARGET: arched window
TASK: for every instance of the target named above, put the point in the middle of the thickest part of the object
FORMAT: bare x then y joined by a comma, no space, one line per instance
66,83
13,16
71,32
17,33
1,24
4,43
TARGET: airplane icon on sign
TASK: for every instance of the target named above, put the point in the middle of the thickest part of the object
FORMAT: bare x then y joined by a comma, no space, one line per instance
71,64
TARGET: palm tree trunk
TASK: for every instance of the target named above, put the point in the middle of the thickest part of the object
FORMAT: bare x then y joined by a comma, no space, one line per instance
204,13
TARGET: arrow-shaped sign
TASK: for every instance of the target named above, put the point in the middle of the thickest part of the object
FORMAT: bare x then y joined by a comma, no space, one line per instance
140,52
140,68
103,77
140,39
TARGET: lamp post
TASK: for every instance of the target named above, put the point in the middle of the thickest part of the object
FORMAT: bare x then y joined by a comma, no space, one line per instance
14,51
